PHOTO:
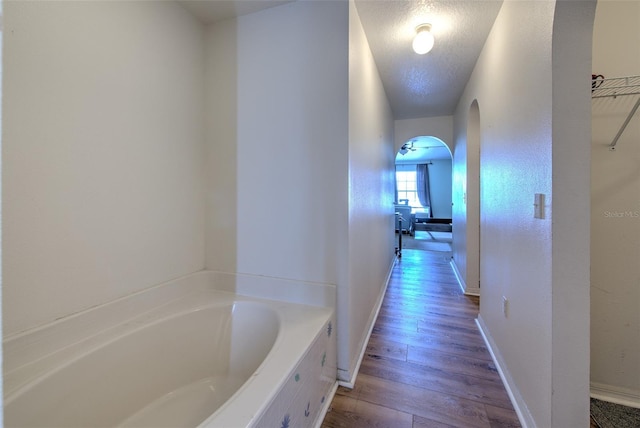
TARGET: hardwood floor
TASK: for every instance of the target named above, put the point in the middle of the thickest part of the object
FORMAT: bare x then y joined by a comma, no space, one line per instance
426,364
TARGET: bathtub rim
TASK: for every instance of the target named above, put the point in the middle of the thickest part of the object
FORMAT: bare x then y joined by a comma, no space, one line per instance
233,409
132,328
23,347
166,297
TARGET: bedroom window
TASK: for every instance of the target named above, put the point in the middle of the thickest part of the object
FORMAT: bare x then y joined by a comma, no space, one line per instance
407,189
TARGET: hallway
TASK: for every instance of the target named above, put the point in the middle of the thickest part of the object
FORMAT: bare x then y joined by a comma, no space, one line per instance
426,364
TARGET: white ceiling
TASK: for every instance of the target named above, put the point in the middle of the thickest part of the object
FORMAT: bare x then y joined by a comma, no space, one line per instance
426,85
417,85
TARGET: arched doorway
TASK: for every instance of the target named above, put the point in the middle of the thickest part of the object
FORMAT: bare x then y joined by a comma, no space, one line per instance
424,183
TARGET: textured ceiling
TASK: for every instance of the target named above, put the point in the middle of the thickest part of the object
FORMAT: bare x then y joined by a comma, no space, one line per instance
417,85
426,85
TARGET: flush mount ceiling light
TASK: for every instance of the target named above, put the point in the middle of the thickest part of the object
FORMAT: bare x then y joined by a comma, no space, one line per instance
423,42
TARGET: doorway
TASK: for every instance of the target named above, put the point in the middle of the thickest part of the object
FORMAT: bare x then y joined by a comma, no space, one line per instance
424,184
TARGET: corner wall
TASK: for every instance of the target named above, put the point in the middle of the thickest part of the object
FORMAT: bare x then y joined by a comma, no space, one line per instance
102,154
277,135
300,163
570,276
371,195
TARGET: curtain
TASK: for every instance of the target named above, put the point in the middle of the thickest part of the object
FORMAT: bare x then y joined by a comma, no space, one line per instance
422,181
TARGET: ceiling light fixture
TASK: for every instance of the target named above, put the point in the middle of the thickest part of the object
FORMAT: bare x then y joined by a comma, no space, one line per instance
423,42
408,147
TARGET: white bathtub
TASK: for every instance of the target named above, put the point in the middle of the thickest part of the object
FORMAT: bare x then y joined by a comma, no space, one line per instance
181,355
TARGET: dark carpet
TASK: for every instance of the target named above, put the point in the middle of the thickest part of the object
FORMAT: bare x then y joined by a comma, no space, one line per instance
611,415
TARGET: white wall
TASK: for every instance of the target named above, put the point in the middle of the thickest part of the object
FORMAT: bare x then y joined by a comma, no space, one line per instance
440,127
465,196
221,113
440,187
570,274
102,153
277,143
300,159
516,163
518,258
115,189
615,211
371,196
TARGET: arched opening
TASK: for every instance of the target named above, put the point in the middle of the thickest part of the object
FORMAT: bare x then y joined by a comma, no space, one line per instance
424,193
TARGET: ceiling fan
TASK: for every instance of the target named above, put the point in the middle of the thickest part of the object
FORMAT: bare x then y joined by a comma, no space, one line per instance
408,147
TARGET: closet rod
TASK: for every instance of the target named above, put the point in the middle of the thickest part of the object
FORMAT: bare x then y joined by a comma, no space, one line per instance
626,122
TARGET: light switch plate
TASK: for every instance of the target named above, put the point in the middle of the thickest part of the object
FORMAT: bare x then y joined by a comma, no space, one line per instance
538,205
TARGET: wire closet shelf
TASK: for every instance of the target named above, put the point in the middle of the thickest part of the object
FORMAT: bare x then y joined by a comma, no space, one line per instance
613,88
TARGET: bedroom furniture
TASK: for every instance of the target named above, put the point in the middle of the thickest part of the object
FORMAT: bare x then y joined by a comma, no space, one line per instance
433,224
404,219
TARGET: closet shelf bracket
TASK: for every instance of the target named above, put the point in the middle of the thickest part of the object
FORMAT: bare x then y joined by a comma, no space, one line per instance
624,125
613,88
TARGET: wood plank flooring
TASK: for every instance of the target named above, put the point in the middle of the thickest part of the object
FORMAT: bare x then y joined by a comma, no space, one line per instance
426,364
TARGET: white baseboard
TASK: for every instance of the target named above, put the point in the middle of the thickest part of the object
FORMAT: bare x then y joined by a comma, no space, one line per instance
614,394
526,420
461,282
325,406
363,345
459,276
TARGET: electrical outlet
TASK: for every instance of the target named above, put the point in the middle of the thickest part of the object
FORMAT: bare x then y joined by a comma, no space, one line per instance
505,306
